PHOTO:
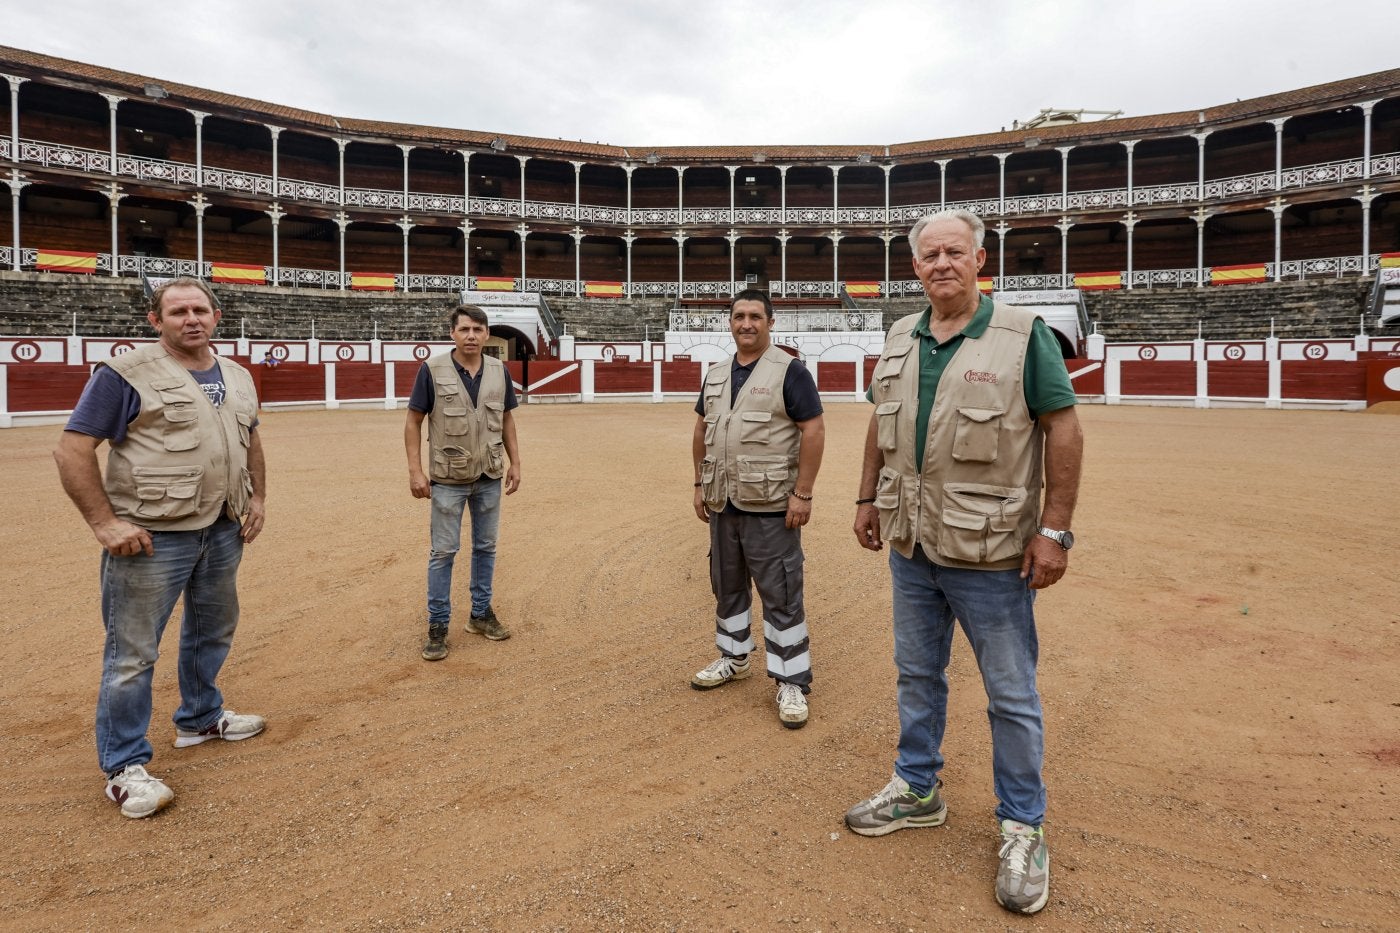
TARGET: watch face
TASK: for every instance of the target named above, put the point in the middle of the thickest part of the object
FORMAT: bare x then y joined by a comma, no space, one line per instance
1066,539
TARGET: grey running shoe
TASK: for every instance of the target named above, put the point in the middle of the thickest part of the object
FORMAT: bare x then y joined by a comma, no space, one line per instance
436,647
792,706
1023,880
488,625
231,727
720,671
896,807
138,793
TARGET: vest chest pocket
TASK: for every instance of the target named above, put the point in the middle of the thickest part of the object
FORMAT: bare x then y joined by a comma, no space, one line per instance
891,362
980,522
454,418
495,416
762,480
976,435
180,430
167,492
755,428
887,433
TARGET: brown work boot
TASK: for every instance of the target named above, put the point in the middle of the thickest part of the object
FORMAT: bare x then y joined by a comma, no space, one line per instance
488,625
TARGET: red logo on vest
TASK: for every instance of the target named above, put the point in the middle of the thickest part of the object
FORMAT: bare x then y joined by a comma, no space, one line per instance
973,375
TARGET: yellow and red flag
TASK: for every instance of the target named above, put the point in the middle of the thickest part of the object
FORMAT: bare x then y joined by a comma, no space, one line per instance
1390,260
863,289
495,283
599,289
372,281
1239,275
1097,281
62,260
987,285
236,274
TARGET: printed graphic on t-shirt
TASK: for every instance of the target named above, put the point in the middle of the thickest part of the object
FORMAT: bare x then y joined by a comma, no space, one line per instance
215,392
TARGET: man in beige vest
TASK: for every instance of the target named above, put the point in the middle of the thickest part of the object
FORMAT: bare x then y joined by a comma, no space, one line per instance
973,405
757,449
183,493
467,399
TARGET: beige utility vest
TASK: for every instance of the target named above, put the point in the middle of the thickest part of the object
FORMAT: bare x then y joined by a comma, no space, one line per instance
183,461
464,439
750,447
977,501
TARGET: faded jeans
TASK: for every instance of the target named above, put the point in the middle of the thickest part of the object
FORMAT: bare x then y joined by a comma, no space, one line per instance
483,499
138,596
994,608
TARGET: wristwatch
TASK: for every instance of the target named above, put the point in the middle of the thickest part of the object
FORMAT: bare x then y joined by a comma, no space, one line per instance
1064,539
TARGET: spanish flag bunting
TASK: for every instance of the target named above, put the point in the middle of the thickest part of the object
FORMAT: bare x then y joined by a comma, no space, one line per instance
597,289
863,289
1239,275
237,274
493,283
987,285
1097,281
372,281
62,260
1390,260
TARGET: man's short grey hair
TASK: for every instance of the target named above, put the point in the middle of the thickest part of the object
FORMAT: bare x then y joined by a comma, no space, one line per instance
974,223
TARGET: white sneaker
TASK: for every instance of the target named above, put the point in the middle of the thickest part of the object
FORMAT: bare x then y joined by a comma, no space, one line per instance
720,671
792,706
231,726
138,793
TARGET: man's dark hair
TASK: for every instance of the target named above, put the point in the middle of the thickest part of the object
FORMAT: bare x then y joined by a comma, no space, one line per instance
753,294
468,311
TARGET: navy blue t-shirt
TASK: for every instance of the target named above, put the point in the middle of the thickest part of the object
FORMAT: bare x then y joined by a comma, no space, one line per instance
801,402
109,403
425,394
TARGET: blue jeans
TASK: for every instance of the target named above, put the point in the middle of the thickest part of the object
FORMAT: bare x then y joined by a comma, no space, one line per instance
483,498
995,610
138,596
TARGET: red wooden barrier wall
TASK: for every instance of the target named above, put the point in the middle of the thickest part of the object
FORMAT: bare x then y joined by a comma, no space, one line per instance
1323,379
836,377
622,377
1159,377
680,377
46,386
1239,379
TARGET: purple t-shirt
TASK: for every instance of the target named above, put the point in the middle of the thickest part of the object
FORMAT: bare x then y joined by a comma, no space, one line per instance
109,403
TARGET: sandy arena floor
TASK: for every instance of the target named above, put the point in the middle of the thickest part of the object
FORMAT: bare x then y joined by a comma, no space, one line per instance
1219,671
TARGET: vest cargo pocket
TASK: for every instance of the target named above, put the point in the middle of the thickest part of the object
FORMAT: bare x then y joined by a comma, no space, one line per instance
762,480
245,427
886,414
167,492
455,465
981,521
711,421
181,429
454,420
755,428
892,505
711,489
975,438
496,459
495,414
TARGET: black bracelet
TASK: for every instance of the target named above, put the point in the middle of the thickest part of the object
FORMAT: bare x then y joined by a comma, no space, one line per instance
869,501
798,495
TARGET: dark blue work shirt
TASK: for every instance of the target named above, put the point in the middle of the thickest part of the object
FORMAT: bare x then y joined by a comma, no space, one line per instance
424,393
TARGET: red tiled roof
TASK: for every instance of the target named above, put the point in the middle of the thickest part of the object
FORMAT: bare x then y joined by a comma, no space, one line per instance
1377,85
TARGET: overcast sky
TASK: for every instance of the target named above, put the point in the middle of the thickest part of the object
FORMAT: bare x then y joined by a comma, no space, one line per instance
692,72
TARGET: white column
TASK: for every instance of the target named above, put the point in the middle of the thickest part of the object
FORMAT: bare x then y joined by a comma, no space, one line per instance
112,101
466,179
14,116
1366,109
887,169
341,144
1278,152
198,146
466,226
276,132
406,224
522,160
342,220
200,204
835,237
888,237
629,169
680,237
628,238
578,258
733,239
524,232
276,213
1365,196
1001,230
406,150
835,193
782,184
943,183
680,194
1201,216
783,238
1277,208
1130,221
1001,183
578,188
1130,145
1064,176
16,185
114,196
1064,225
732,170
1200,139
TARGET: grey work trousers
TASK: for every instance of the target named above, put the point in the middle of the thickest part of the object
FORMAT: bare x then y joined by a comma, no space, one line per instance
763,550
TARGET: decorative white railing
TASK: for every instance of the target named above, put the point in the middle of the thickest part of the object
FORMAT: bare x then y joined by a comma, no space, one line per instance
786,321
